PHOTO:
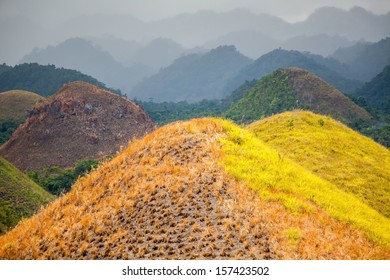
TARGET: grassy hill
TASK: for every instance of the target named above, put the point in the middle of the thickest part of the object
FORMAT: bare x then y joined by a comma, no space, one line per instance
280,58
332,151
14,107
294,88
14,104
19,196
201,189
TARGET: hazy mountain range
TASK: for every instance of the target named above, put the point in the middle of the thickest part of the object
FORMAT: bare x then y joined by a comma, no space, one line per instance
20,35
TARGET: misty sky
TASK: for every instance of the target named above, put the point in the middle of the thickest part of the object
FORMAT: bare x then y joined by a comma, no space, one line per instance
56,11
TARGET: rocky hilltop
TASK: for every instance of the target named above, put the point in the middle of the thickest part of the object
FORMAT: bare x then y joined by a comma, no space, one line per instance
80,121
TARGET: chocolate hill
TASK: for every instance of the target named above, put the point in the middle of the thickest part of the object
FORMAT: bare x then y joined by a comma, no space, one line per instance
80,121
294,88
15,104
202,189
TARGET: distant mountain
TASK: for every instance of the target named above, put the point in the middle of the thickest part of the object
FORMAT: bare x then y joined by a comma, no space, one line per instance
365,60
4,67
80,121
121,50
191,30
250,43
45,80
193,77
20,197
158,53
377,91
294,88
322,44
355,24
280,58
82,55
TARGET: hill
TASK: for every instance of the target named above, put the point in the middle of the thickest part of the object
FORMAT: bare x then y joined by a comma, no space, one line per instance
365,60
34,77
20,197
82,55
15,104
186,191
280,58
333,152
80,121
14,108
294,88
193,77
377,91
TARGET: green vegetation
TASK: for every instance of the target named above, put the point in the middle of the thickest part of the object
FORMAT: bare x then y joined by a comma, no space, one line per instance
280,58
294,88
45,80
272,94
277,178
8,127
58,181
19,196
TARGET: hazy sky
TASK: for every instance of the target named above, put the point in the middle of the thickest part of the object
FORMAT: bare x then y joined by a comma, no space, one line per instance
54,11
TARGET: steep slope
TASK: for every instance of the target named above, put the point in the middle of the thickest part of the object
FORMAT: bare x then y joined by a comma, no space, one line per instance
15,104
19,196
293,88
280,58
34,77
377,91
80,121
193,77
331,151
168,196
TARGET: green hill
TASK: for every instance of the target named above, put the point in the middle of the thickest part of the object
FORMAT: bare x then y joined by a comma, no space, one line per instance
280,58
377,91
44,79
294,88
19,196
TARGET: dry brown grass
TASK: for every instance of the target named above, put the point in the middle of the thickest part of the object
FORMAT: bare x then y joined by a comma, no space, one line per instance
167,197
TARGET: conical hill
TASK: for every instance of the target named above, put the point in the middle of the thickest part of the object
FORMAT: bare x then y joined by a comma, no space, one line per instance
15,104
185,192
294,88
81,121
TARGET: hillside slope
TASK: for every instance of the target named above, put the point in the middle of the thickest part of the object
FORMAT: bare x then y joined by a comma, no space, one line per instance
19,196
280,58
169,196
14,104
377,91
294,88
193,77
80,121
333,152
